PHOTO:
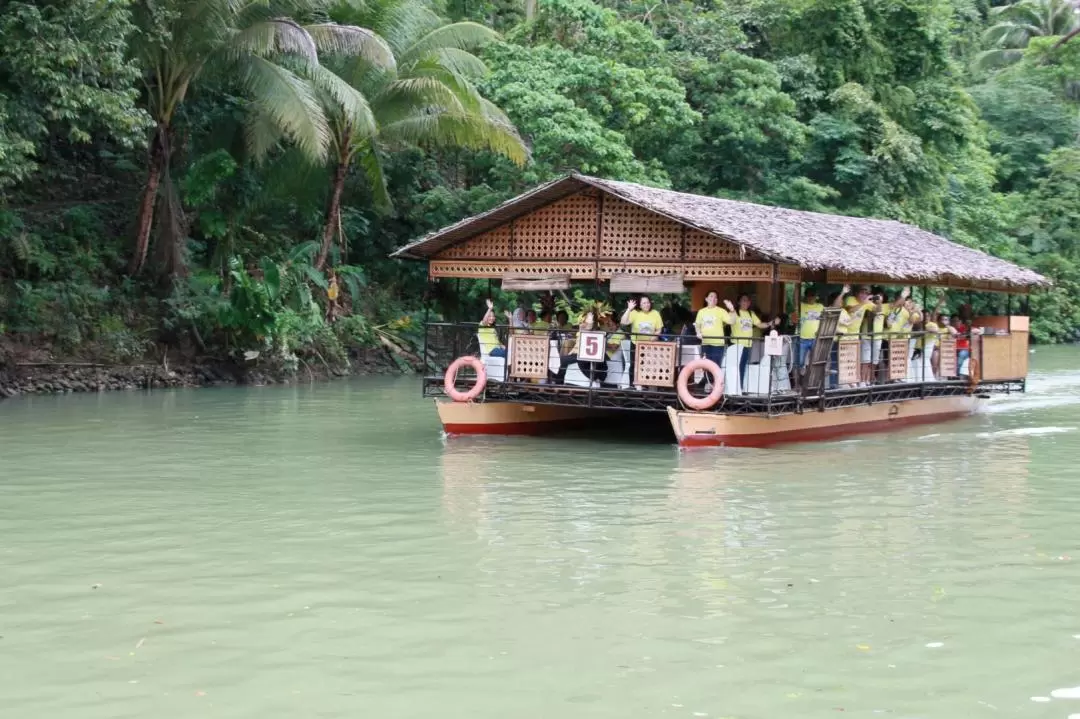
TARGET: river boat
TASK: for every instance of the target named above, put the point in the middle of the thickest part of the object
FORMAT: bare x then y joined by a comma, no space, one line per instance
635,239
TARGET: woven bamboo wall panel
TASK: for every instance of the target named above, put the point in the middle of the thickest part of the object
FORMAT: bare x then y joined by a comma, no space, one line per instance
493,245
701,246
654,364
790,273
566,228
848,362
529,356
634,233
643,269
732,272
947,357
898,359
464,268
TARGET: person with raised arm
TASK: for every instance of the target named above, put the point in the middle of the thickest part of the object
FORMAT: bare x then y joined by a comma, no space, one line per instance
487,336
645,325
836,301
857,306
743,321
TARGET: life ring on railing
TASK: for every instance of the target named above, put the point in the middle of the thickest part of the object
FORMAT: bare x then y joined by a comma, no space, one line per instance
451,379
682,384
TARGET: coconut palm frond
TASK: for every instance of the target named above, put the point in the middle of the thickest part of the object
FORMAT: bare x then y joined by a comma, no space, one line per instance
404,96
459,35
280,36
456,129
460,62
290,102
1000,57
373,171
352,41
347,100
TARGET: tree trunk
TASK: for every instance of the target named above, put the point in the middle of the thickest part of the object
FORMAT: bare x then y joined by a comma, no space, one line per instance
333,211
1068,36
149,199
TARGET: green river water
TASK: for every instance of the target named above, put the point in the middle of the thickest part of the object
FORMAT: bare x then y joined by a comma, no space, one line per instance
322,551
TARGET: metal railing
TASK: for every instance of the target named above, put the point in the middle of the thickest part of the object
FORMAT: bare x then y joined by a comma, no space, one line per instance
862,369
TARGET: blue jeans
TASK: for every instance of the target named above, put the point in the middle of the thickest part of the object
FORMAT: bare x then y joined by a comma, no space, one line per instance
804,351
834,366
744,363
714,353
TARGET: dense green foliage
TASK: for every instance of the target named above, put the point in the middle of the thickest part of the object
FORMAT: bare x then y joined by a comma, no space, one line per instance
215,177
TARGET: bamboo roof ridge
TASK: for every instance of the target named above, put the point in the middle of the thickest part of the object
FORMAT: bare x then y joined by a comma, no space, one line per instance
812,240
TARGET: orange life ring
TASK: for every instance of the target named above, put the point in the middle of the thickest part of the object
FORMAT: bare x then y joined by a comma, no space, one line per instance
451,379
681,385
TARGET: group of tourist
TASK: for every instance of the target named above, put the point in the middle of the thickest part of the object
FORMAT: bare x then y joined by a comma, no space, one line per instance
876,320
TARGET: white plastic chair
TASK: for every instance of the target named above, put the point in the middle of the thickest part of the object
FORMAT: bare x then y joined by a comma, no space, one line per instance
731,369
618,367
688,354
494,366
575,377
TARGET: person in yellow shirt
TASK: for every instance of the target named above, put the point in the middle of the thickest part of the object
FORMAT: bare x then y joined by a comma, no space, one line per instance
896,314
595,371
836,300
542,325
709,323
810,311
858,308
881,311
614,336
645,325
743,321
487,336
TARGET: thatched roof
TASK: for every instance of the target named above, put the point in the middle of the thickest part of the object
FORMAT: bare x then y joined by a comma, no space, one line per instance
812,240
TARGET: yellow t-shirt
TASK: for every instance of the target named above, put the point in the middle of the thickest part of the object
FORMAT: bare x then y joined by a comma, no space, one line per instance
540,326
645,325
857,312
614,343
809,319
711,321
743,324
898,322
489,339
879,319
931,332
843,324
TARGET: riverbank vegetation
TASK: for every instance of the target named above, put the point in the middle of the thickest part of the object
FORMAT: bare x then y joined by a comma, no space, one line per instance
210,178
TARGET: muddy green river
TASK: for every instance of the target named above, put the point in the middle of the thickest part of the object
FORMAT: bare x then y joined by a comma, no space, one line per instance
322,551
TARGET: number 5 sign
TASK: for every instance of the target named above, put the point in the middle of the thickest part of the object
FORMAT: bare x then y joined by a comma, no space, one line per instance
591,346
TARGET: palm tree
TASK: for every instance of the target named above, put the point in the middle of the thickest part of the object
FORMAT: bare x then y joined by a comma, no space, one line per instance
257,45
428,96
1021,21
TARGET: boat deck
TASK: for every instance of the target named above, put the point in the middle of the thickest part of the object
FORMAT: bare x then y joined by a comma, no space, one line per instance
776,404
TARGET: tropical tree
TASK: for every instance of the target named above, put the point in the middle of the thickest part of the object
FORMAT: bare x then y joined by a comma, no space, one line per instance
256,45
1019,22
427,97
